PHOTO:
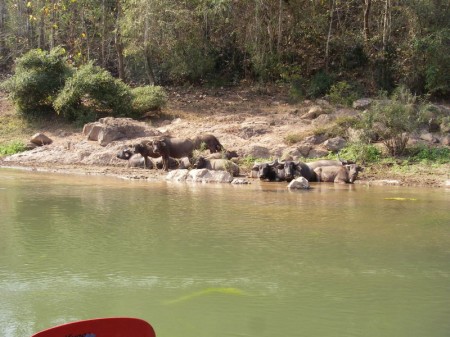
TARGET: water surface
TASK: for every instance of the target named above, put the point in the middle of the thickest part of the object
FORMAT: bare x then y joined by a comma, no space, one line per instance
219,260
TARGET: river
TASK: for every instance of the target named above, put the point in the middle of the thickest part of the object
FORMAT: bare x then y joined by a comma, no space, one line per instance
218,260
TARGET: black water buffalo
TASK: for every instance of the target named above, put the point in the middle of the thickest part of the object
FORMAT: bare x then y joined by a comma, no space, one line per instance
295,169
172,147
145,149
339,174
134,159
207,141
273,171
217,165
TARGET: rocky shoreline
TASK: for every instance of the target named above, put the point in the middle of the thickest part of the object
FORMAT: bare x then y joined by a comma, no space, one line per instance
254,125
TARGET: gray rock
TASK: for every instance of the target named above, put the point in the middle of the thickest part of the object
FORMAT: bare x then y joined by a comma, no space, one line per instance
299,183
427,136
317,153
177,175
322,120
240,181
313,112
362,103
109,129
258,151
445,140
335,144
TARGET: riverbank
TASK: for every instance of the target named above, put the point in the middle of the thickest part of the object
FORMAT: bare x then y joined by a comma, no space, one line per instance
254,122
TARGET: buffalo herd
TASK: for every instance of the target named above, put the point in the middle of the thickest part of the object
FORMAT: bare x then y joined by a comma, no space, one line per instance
166,152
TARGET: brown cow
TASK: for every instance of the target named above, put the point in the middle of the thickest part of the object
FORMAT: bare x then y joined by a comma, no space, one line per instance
338,174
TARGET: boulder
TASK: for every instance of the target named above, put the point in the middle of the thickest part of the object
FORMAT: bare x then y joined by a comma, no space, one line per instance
207,176
40,139
177,175
313,112
315,139
317,153
445,140
199,176
299,183
362,103
335,144
427,136
109,129
257,151
322,120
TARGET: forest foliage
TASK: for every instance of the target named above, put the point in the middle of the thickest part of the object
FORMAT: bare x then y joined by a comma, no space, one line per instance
371,45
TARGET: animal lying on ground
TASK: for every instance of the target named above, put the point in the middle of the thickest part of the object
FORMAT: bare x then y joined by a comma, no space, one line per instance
134,159
273,171
225,154
339,174
172,147
208,141
137,160
324,162
295,169
217,165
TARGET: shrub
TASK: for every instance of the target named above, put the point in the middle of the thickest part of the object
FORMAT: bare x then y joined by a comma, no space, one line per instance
394,119
11,148
93,89
148,98
320,84
39,75
439,155
343,93
293,138
361,153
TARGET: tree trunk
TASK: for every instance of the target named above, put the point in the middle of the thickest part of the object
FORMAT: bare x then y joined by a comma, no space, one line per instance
103,53
118,42
386,24
368,4
327,47
280,16
2,27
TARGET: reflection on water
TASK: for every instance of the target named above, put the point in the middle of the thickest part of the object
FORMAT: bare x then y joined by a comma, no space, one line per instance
220,260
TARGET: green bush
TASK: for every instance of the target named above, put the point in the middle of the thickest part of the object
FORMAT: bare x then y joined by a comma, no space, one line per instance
11,148
93,89
148,98
439,155
343,93
39,75
320,84
394,119
361,153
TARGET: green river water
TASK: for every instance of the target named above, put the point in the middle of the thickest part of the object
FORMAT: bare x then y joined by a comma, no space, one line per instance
215,260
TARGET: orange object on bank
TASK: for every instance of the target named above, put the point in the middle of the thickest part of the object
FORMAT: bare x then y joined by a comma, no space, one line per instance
101,327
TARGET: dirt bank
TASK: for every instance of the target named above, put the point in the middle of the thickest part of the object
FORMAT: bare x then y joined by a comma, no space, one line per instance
255,122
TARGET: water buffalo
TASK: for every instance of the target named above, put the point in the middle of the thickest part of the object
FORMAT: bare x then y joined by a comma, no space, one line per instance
145,149
273,171
217,165
134,159
224,154
208,141
172,147
324,162
339,174
295,169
